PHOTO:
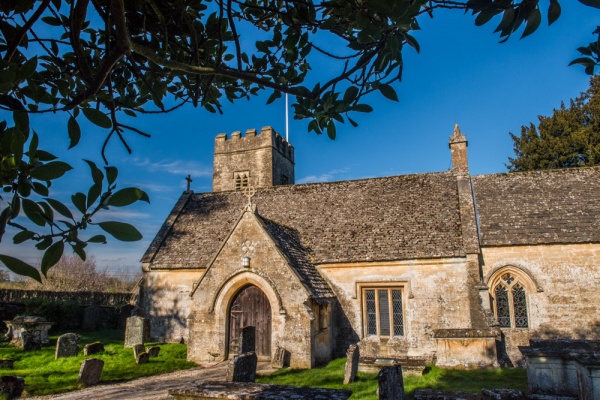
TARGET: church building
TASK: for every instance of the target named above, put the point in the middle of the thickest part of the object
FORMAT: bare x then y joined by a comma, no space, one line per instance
444,268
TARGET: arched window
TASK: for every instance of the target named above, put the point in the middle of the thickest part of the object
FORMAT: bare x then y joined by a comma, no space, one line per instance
241,179
510,301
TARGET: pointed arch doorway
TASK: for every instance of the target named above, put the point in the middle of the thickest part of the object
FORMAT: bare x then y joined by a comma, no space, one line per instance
250,307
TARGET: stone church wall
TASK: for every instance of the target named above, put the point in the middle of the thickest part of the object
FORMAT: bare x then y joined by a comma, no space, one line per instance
165,299
562,284
434,296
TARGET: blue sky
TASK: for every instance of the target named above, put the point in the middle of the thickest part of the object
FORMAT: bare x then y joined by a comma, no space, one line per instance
462,75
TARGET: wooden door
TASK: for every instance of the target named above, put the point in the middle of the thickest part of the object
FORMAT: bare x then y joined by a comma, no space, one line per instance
250,307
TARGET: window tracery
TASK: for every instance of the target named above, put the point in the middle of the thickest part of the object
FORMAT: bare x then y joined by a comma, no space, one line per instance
510,301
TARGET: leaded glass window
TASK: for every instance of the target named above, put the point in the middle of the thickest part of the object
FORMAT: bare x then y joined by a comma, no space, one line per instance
502,308
383,312
510,300
520,307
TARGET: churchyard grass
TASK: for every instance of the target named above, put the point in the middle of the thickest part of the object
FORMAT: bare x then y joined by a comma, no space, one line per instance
44,375
332,376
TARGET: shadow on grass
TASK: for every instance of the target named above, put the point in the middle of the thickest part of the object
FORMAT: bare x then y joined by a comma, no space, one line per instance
365,387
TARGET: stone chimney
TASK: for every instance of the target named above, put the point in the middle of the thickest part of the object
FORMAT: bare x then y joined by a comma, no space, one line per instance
458,150
258,160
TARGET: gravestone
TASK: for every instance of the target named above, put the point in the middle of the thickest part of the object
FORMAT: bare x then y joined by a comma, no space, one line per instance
90,371
30,341
67,345
11,387
247,339
142,358
137,331
242,368
93,348
7,363
279,359
351,368
391,384
91,316
138,349
153,351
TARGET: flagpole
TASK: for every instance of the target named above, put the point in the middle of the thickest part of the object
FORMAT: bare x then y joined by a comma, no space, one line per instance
286,119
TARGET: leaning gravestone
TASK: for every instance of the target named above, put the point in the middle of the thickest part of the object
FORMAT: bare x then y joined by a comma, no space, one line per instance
391,384
351,368
153,351
279,359
247,339
11,387
242,368
93,348
142,358
90,371
67,345
138,349
137,331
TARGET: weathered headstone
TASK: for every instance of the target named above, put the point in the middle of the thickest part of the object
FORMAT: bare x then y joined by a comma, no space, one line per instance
67,345
137,331
93,348
153,351
90,371
138,349
7,363
91,316
31,341
351,368
247,339
142,358
11,387
242,368
391,384
279,359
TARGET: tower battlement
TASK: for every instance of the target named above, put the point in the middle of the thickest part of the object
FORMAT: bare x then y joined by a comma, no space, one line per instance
261,160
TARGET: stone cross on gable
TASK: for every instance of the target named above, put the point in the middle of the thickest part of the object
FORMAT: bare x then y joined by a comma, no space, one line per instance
189,182
249,193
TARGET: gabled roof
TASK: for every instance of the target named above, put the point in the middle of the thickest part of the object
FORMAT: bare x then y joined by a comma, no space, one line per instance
380,219
542,207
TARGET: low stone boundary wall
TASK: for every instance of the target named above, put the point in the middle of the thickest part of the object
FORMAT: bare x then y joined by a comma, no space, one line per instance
82,298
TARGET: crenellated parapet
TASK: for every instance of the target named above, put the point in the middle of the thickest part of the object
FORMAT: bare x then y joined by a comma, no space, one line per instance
259,159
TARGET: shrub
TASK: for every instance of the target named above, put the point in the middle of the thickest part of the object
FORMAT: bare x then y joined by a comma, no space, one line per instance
65,314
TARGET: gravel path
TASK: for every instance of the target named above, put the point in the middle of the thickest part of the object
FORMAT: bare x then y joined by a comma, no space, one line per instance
153,387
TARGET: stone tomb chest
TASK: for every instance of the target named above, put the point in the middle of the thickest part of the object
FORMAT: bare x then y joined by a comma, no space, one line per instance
36,327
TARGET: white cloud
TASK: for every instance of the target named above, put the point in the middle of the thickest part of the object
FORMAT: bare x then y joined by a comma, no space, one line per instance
175,167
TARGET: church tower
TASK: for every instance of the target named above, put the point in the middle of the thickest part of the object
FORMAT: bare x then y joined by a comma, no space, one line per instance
259,160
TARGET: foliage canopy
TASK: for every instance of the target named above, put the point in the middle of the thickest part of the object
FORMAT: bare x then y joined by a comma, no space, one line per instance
100,60
570,137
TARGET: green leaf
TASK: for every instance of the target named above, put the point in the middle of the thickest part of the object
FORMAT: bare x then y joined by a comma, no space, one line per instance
43,244
20,268
111,174
388,92
331,132
60,207
52,255
44,156
40,189
127,196
553,11
74,132
533,22
121,231
33,144
50,171
33,211
79,200
97,239
591,3
362,108
97,117
23,236
350,94
79,250
96,188
28,68
21,119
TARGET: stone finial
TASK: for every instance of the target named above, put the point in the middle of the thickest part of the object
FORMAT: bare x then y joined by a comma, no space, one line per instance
458,150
